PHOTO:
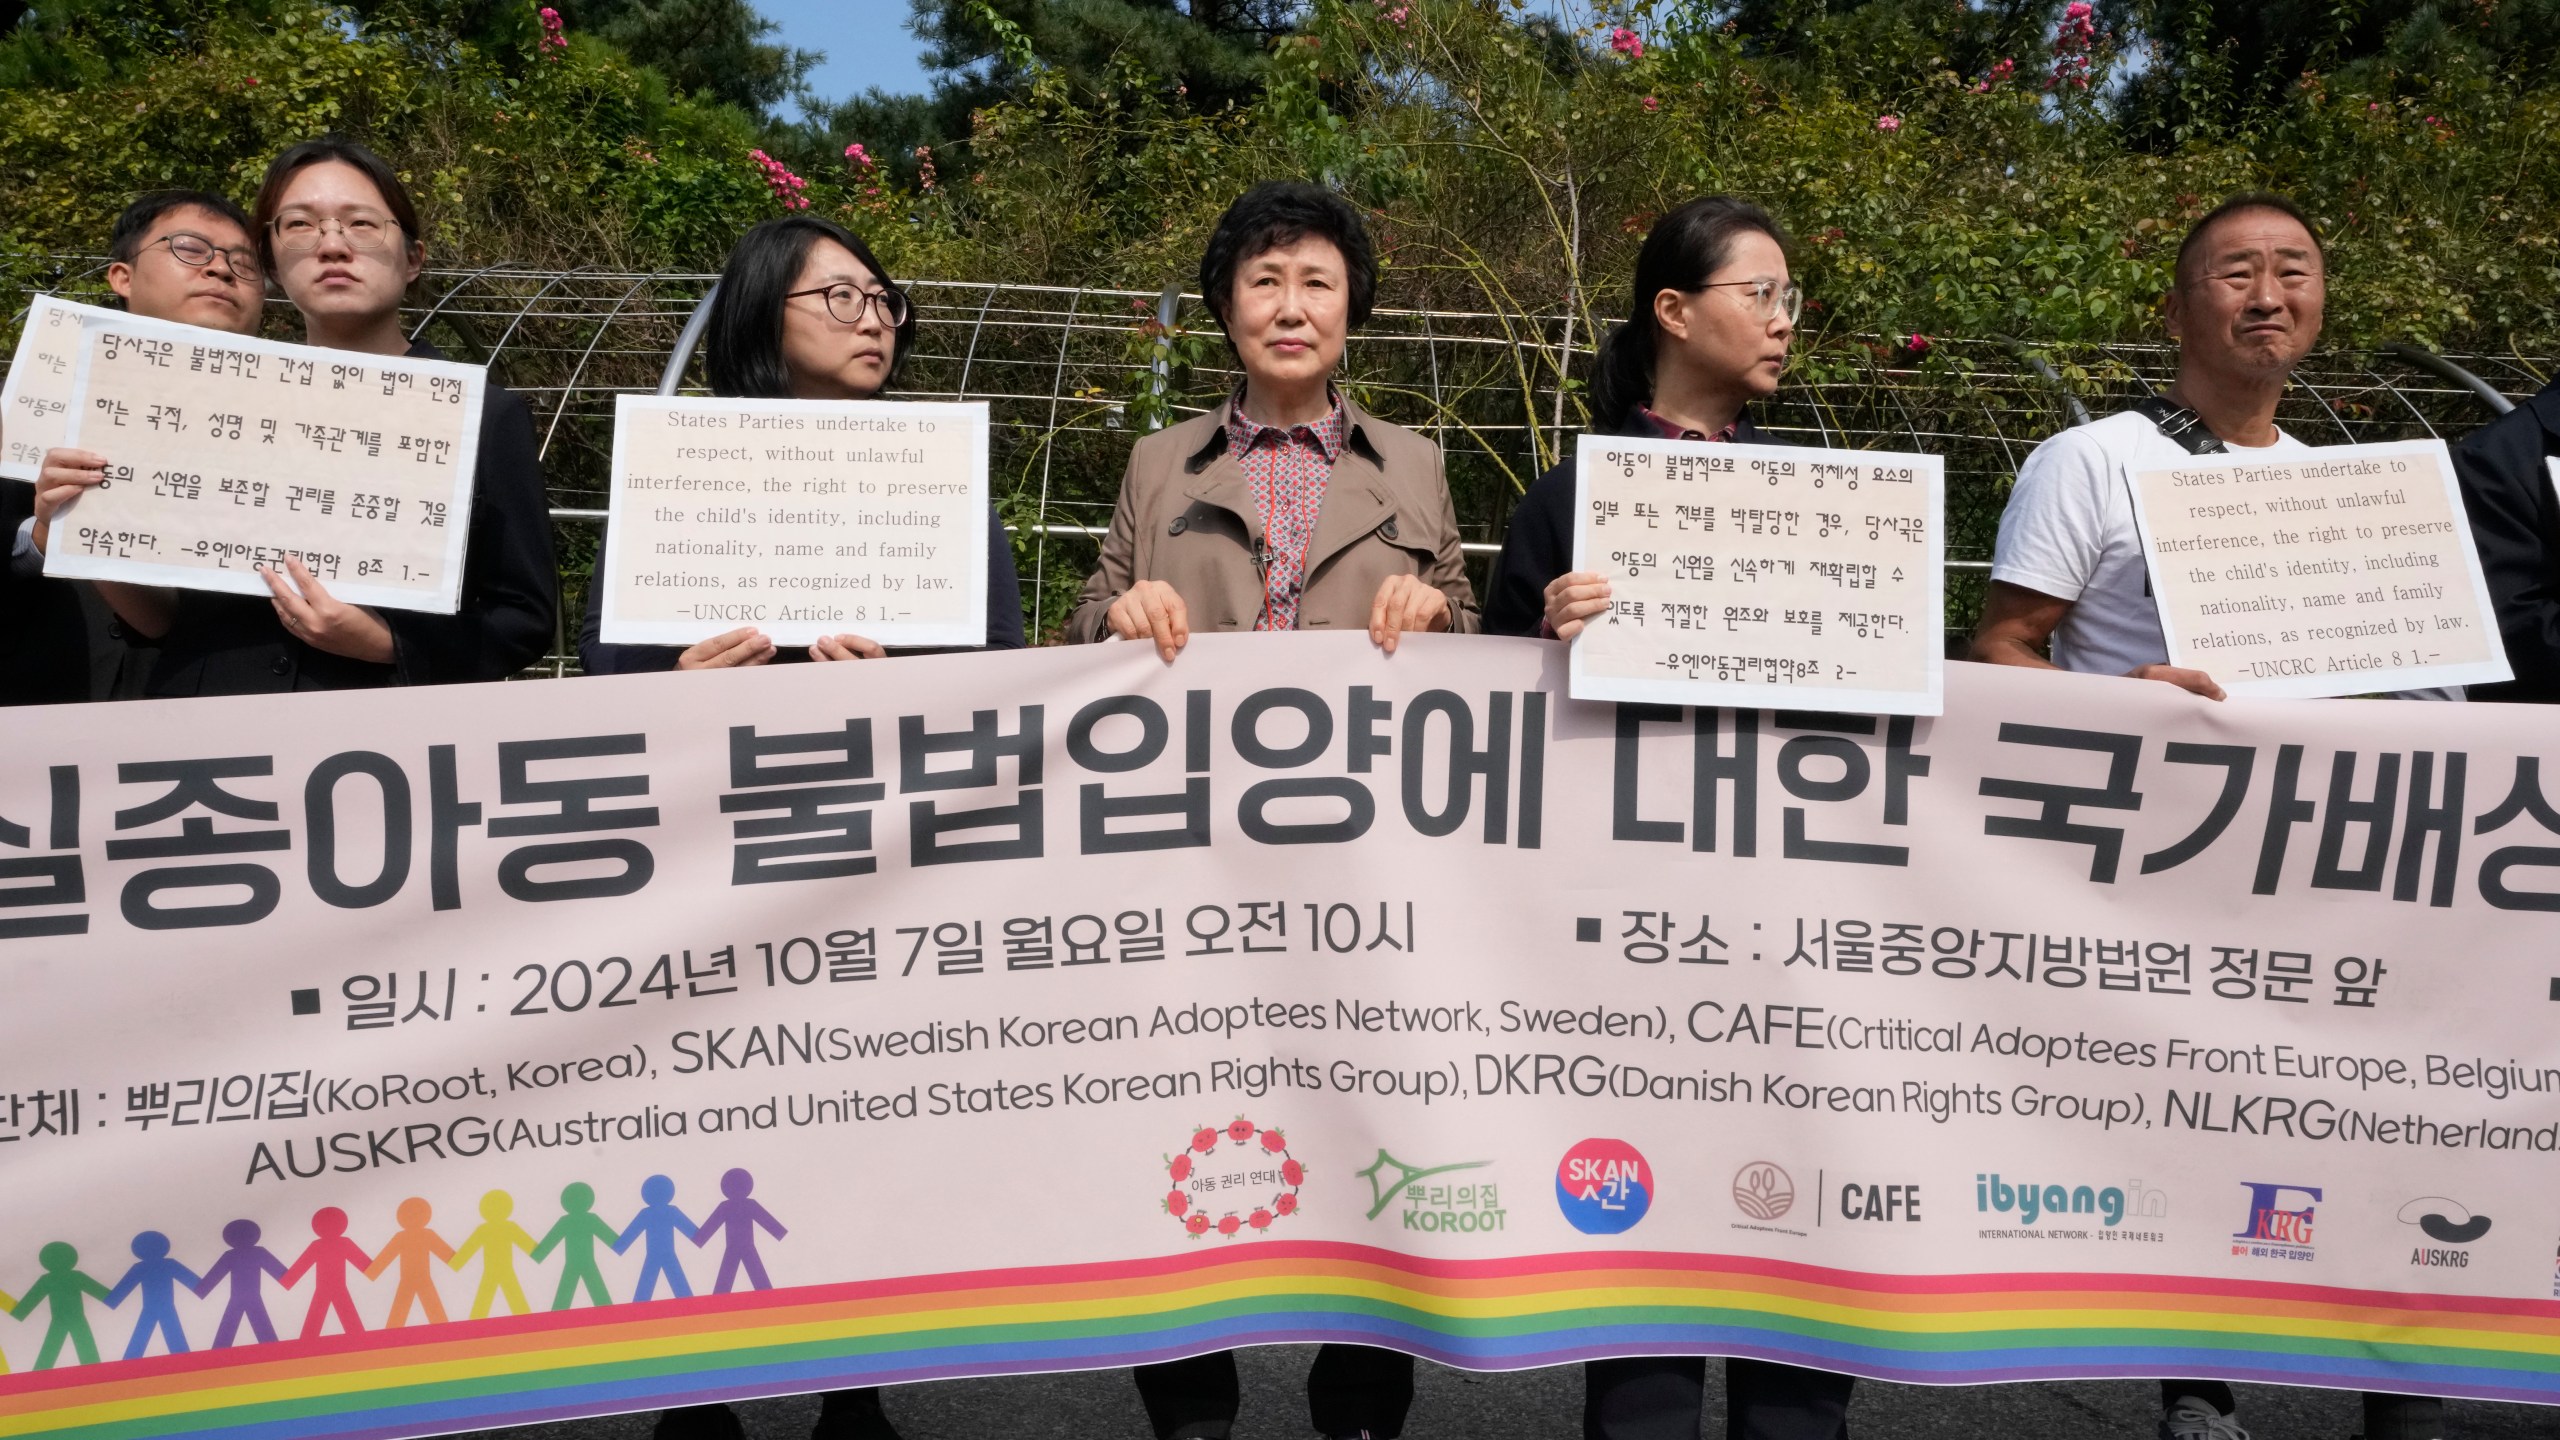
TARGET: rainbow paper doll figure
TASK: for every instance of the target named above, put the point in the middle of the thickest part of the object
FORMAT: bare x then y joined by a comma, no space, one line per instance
657,1226
496,1243
413,1249
327,1260
66,1292
575,1235
735,1221
245,1265
156,1278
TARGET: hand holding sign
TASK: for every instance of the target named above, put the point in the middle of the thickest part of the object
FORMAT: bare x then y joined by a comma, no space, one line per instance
2342,571
1754,575
225,456
844,526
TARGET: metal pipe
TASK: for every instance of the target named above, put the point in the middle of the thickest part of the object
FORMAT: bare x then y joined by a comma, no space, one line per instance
672,378
2443,369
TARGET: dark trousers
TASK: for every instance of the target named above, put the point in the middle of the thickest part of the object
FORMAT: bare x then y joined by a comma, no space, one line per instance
1352,1388
1663,1397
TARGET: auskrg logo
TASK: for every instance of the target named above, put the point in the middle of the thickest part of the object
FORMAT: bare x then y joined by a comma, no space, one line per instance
1430,1202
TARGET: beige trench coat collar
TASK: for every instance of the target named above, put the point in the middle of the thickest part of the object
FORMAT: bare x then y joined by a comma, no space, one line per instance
1354,499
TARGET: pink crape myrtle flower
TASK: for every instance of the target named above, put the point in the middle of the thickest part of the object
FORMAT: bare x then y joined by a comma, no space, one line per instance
1888,123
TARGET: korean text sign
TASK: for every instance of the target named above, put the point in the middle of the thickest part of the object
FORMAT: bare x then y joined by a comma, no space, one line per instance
1736,570
35,400
1047,1010
227,455
803,518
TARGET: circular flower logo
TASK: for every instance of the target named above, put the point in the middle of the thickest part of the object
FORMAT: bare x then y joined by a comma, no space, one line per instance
1233,1179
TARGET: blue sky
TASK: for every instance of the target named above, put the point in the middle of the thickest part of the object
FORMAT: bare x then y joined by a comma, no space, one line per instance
866,42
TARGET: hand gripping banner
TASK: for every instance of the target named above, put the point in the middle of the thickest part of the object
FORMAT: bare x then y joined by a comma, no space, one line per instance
408,1062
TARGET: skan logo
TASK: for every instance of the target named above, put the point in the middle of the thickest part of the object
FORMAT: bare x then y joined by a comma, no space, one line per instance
2033,1203
2277,1228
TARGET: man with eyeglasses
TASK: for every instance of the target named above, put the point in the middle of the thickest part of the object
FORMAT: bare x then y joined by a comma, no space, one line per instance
178,255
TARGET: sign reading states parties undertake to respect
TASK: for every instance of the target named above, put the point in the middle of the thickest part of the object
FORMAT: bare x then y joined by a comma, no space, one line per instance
802,518
1761,575
227,455
35,401
2347,570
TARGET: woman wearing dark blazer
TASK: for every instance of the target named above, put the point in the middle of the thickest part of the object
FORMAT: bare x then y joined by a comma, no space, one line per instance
1707,333
805,312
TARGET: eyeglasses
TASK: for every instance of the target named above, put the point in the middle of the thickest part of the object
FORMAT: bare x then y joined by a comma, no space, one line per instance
196,253
298,232
847,302
1768,296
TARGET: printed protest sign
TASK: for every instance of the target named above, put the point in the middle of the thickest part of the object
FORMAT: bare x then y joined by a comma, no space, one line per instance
802,518
1761,575
35,401
1065,1008
226,455
2342,571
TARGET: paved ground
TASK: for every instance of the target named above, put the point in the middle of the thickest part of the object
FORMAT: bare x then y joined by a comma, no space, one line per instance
1547,1405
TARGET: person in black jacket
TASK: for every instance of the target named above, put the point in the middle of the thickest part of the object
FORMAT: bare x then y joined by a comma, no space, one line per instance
2509,489
804,312
184,256
1707,333
338,231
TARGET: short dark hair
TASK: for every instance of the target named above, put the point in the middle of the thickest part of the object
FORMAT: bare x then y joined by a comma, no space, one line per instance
2244,201
124,243
325,150
1680,252
1276,213
742,342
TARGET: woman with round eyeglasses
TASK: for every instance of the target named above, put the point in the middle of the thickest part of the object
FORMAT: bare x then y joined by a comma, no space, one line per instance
338,233
1706,334
804,312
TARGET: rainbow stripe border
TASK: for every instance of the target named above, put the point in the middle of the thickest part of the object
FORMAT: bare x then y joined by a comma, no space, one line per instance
1480,1315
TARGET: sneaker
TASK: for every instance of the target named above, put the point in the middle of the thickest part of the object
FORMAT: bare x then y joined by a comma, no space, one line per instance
2192,1419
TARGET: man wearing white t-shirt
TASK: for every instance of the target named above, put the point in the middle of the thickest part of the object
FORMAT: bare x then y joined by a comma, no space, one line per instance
2068,578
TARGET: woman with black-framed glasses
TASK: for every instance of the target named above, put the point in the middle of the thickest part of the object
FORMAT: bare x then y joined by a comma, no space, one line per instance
1707,332
805,312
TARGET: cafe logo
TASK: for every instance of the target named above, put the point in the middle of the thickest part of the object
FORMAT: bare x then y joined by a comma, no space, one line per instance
1763,1191
1232,1178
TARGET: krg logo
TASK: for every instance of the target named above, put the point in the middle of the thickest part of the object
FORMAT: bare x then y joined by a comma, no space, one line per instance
1603,1187
2447,1221
2277,1229
1763,1191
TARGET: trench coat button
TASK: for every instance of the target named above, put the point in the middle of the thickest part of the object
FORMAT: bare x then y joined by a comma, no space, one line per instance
1388,529
283,665
1180,524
